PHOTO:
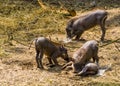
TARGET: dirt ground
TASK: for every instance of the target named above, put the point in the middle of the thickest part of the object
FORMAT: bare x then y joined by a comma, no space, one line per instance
20,68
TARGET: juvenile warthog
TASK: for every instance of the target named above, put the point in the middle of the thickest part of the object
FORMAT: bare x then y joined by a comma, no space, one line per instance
45,46
83,55
89,69
76,26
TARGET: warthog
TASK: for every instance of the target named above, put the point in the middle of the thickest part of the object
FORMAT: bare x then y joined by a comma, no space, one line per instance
89,69
83,55
76,26
52,50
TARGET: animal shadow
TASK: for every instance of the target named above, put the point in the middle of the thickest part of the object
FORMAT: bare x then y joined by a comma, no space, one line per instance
54,69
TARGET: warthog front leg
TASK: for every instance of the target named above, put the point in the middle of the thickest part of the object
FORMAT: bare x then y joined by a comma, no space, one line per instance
50,60
78,35
50,64
95,57
97,60
54,58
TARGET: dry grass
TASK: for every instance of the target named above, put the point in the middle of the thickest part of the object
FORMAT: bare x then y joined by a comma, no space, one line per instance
26,22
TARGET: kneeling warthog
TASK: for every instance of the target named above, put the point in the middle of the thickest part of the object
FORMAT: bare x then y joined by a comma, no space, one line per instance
83,55
76,26
45,46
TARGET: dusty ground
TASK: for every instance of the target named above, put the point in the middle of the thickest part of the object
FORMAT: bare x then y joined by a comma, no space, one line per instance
20,68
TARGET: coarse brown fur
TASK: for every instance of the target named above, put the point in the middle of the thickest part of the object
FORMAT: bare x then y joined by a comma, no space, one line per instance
83,55
45,46
78,25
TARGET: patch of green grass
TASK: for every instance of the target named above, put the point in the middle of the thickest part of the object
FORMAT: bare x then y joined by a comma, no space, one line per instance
24,20
3,54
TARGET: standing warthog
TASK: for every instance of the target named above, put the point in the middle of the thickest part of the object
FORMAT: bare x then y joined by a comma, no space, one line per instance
45,46
76,26
83,55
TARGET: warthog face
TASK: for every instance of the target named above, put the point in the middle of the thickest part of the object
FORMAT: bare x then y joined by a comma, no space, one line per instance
68,31
64,53
72,32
